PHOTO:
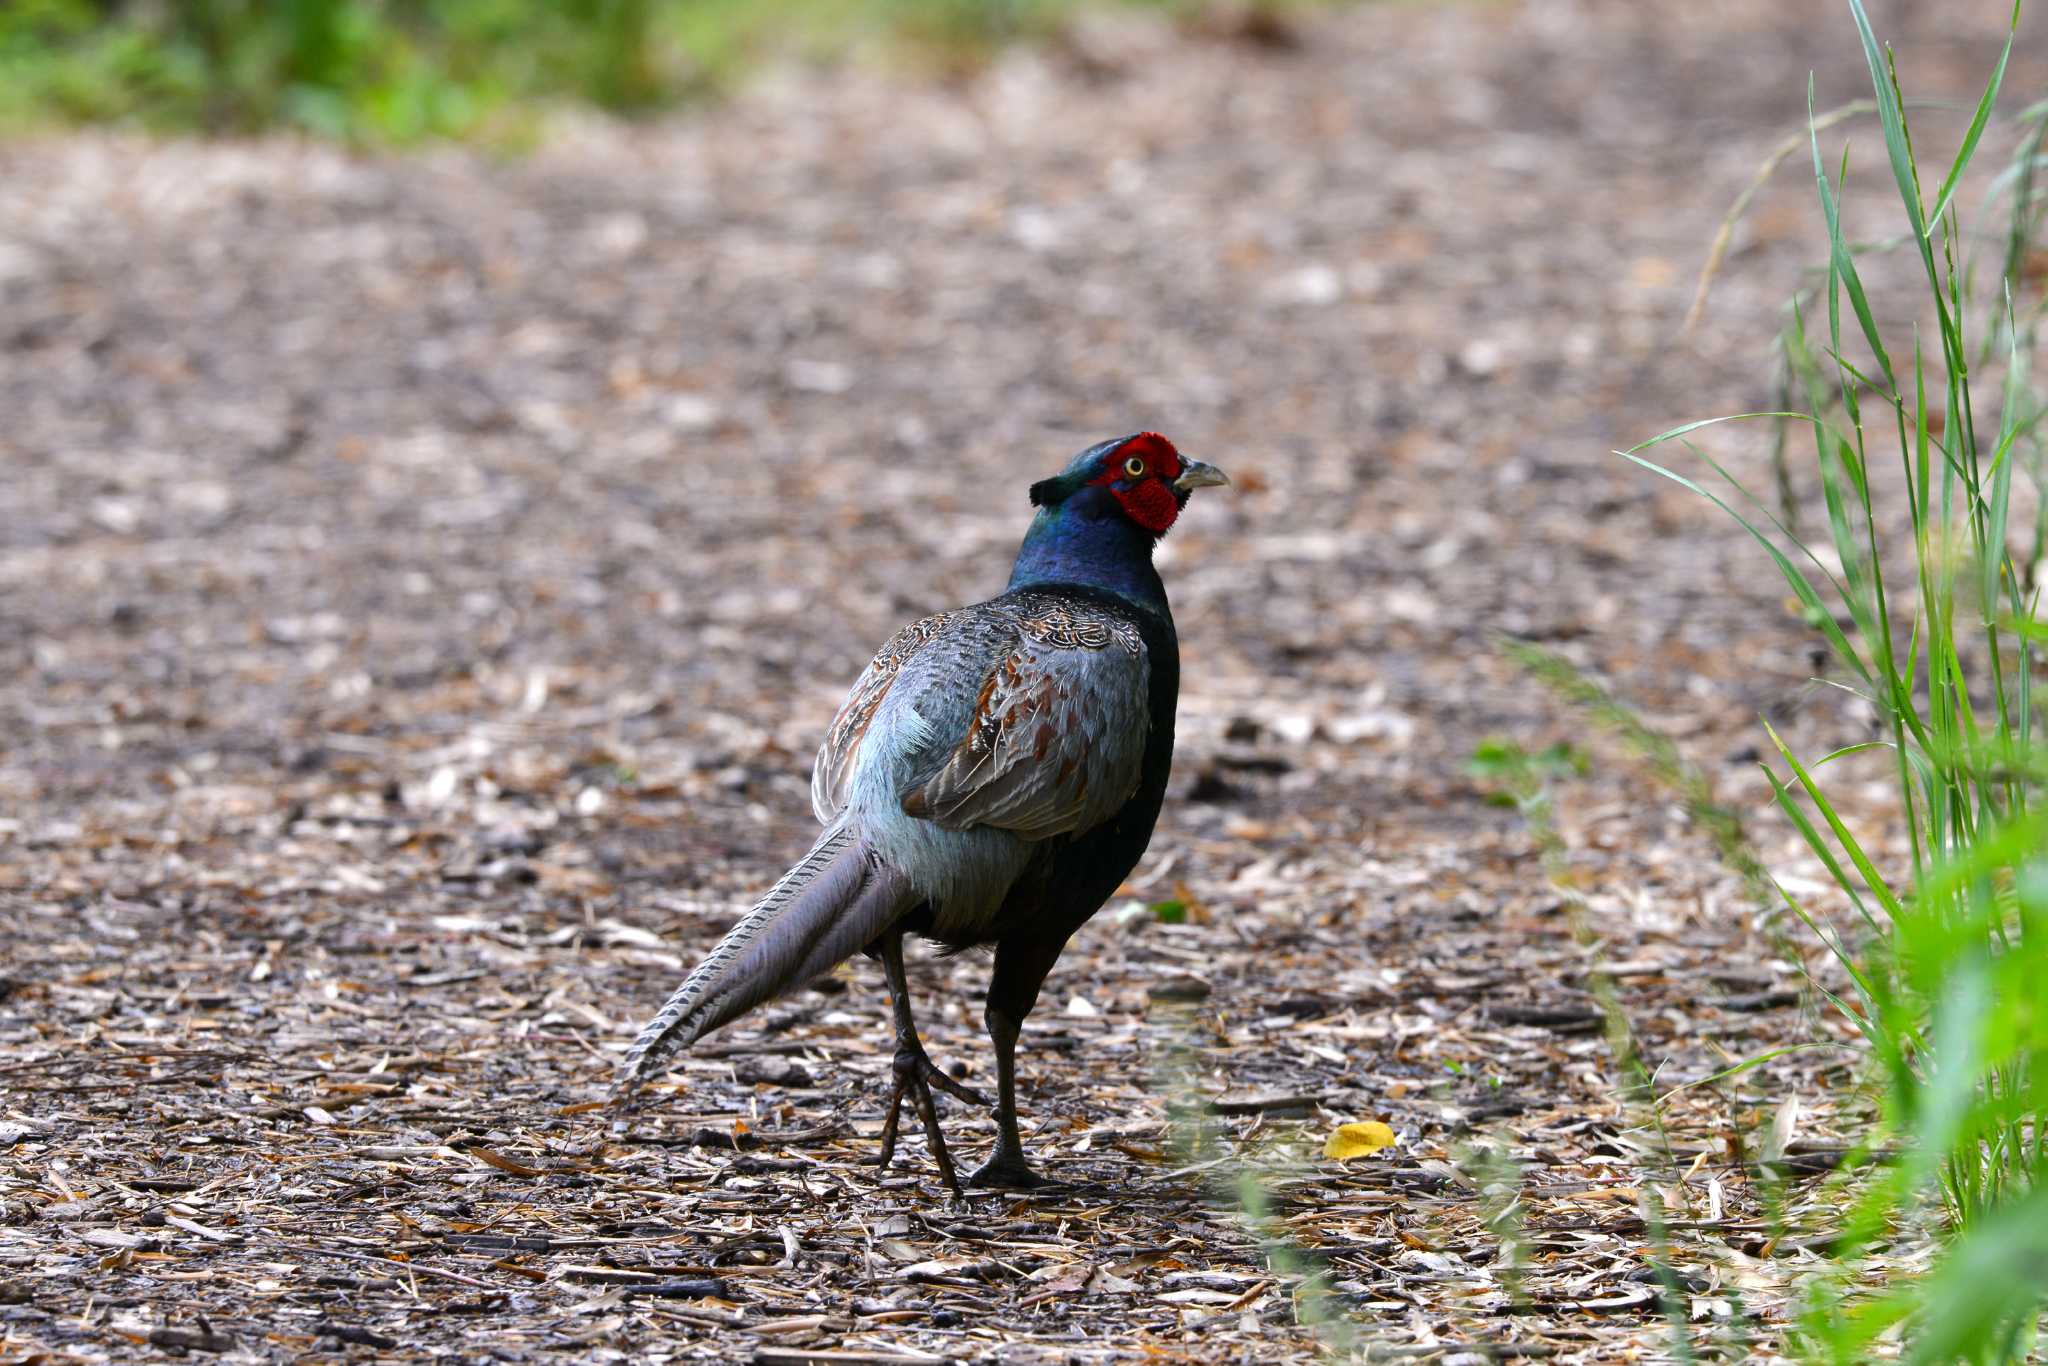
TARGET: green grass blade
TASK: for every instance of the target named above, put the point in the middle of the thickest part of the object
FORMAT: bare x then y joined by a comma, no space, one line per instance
1864,1018
1847,750
1841,262
1747,1064
2007,847
1893,121
1825,853
1765,512
1983,116
1691,427
1996,1277
1804,591
1865,868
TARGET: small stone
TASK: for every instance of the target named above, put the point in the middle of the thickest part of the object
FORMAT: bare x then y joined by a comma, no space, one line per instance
1311,286
818,376
691,413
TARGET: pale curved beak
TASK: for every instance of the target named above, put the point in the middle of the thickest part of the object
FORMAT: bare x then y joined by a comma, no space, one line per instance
1198,474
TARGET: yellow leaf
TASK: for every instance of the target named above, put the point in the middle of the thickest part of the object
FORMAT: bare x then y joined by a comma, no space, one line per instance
1358,1140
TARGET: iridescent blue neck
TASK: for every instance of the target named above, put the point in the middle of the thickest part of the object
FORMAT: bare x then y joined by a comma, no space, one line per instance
1085,539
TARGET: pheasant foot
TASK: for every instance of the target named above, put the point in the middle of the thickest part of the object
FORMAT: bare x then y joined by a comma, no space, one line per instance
915,1073
1006,1171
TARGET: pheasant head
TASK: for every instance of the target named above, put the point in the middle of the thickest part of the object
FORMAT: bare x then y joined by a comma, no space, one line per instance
1099,518
1148,480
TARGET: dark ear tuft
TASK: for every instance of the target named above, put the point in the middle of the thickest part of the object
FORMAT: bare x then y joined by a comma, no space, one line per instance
1046,492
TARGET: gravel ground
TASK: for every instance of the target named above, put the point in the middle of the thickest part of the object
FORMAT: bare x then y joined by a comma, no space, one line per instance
424,580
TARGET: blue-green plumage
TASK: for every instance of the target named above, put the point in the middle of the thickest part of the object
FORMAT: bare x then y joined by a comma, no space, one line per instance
1085,540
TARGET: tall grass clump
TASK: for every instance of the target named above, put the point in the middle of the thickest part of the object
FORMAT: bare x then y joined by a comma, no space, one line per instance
1933,618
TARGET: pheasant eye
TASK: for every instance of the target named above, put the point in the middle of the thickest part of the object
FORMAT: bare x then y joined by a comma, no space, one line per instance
1134,468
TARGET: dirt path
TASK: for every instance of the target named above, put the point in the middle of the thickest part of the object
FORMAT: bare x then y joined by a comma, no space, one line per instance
423,583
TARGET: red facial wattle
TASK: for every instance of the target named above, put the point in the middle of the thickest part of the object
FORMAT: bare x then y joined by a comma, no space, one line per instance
1149,503
1146,498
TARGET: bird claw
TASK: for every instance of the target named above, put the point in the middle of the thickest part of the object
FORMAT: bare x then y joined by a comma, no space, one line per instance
1006,1172
958,1090
916,1074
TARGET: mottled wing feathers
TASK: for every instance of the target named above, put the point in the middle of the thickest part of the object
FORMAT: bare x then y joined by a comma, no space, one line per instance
1056,740
1027,714
832,775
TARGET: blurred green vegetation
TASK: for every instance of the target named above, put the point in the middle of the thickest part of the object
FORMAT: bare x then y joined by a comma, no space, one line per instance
1941,950
398,71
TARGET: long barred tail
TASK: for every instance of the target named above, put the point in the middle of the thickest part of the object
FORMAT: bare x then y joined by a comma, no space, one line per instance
827,908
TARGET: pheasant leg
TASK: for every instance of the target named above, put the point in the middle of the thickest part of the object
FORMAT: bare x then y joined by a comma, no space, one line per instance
915,1073
1020,968
1006,1166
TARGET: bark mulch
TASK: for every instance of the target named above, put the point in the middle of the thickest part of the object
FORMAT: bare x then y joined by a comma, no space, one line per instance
423,582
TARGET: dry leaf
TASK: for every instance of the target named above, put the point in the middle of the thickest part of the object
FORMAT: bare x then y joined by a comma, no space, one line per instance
503,1163
1783,1126
1358,1140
